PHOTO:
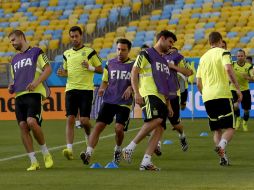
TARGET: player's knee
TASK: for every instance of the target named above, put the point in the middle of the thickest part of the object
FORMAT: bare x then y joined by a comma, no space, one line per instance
85,121
119,128
246,115
23,126
31,122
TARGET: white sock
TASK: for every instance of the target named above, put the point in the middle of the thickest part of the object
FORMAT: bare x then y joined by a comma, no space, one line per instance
146,160
69,146
182,135
118,148
131,146
32,157
89,150
44,149
223,143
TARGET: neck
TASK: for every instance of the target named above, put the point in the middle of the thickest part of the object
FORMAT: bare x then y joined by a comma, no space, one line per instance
240,63
25,46
158,49
215,45
78,47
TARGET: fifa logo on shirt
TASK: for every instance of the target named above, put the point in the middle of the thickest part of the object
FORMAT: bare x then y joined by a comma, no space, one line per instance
116,74
162,67
22,63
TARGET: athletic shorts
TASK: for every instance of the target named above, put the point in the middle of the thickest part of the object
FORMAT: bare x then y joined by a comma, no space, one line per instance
220,113
184,96
28,105
154,108
79,100
176,108
109,111
246,101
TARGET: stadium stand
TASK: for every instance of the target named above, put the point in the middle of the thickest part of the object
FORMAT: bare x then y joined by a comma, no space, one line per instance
46,23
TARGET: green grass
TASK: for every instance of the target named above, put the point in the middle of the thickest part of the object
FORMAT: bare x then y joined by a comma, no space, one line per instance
195,169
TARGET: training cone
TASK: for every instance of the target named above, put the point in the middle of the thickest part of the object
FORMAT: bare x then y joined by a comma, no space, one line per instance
96,165
203,134
111,165
167,142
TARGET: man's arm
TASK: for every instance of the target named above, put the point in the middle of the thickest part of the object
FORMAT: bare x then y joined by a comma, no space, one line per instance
185,71
232,78
199,85
44,75
134,83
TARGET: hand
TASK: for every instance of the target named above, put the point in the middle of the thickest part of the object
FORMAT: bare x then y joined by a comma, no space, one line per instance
61,72
101,92
139,99
240,96
85,64
127,93
10,88
170,111
31,86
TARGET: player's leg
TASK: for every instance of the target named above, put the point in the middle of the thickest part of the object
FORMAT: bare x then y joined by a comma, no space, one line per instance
246,105
236,110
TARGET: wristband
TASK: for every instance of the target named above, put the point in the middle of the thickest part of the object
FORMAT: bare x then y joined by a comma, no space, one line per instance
91,68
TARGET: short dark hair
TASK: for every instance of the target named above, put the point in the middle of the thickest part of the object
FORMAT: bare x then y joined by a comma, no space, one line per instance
166,34
144,46
241,50
214,37
249,57
17,33
124,41
75,28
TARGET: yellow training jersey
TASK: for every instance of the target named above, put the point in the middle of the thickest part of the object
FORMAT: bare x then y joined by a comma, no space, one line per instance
211,70
147,85
240,71
79,77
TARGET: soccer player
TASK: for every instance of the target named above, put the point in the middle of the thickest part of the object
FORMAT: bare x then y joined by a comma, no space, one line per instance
177,66
243,71
30,68
80,64
117,100
213,76
149,82
249,59
224,45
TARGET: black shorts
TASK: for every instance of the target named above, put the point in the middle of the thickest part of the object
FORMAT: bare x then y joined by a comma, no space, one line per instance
28,105
184,96
220,113
176,108
246,101
79,100
155,108
108,111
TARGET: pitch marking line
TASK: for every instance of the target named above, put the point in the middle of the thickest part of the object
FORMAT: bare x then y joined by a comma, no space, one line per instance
62,146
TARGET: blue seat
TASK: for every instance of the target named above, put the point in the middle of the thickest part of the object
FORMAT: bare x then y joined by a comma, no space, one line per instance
67,12
101,23
59,7
4,24
234,51
48,32
69,7
28,14
187,47
155,17
250,34
196,15
245,39
125,11
29,33
209,25
34,4
63,17
231,34
44,23
32,18
174,21
44,3
131,28
14,24
236,3
51,8
90,2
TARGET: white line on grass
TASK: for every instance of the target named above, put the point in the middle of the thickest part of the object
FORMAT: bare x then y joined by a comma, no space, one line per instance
59,147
